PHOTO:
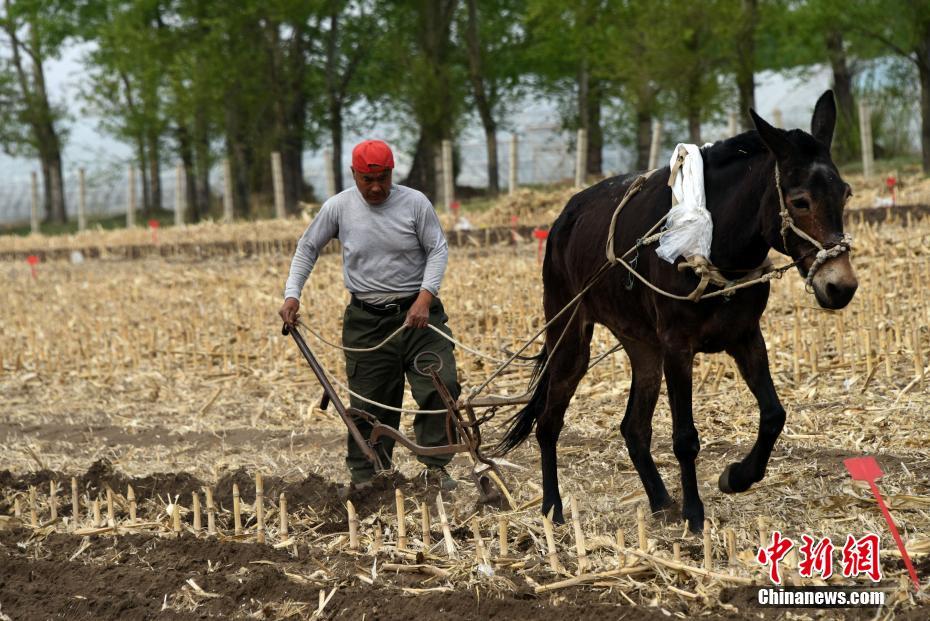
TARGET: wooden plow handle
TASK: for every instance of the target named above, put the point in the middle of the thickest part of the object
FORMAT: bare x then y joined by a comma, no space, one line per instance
346,414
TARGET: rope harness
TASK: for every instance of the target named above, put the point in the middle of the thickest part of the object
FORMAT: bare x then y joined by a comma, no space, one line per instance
823,254
706,271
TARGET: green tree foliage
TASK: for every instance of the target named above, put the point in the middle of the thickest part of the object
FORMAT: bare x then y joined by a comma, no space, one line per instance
494,46
210,83
350,38
30,124
126,85
700,37
571,55
199,81
421,79
900,27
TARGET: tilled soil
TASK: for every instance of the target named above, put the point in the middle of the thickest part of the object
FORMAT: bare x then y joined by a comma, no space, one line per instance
48,575
146,576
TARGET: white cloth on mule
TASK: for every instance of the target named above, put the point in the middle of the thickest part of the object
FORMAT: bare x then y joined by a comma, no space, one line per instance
689,228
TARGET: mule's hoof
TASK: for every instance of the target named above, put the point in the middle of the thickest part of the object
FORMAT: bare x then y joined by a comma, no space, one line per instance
669,513
724,481
694,516
663,504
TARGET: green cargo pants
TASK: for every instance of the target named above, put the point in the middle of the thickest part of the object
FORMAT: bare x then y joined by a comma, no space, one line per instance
379,376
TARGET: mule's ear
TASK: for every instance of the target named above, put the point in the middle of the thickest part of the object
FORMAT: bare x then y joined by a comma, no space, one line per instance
773,138
824,120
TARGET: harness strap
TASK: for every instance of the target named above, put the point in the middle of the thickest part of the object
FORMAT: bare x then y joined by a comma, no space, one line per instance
710,275
631,191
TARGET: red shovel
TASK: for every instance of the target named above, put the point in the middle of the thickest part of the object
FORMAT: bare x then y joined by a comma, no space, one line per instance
867,469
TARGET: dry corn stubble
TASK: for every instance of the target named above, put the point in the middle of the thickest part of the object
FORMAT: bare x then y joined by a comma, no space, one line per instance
179,366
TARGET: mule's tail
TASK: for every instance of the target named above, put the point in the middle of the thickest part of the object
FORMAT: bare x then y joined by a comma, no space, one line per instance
521,424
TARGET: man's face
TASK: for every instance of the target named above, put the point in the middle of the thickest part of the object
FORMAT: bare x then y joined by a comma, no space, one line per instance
375,186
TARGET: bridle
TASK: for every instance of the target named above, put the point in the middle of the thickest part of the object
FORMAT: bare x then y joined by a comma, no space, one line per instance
824,254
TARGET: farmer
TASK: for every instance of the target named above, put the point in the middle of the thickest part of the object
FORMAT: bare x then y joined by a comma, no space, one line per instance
394,255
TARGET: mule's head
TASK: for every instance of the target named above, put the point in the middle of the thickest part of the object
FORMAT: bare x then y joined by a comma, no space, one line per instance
813,195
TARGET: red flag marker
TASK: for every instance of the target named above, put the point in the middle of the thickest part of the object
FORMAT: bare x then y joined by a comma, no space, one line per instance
891,182
867,469
33,260
541,235
153,224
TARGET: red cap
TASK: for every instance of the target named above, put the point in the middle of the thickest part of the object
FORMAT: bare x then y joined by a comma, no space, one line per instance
371,156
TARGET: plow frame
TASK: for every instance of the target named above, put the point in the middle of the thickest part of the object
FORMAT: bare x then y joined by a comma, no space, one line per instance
463,433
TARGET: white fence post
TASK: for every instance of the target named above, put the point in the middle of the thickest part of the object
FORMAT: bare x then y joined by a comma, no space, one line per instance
777,121
581,158
82,201
512,173
227,191
34,213
330,174
277,175
865,136
180,194
655,145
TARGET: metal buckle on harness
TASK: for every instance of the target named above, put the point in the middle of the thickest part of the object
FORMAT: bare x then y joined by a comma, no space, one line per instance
629,275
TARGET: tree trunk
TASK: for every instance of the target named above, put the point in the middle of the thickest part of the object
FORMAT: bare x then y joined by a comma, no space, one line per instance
202,161
595,133
423,175
922,50
584,83
46,135
335,130
293,177
186,153
45,164
287,75
490,141
846,136
482,101
745,62
923,69
53,201
143,161
38,116
56,190
643,138
334,94
433,40
295,185
694,124
154,166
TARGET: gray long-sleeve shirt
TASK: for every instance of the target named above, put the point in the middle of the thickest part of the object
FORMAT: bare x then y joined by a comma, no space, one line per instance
388,250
